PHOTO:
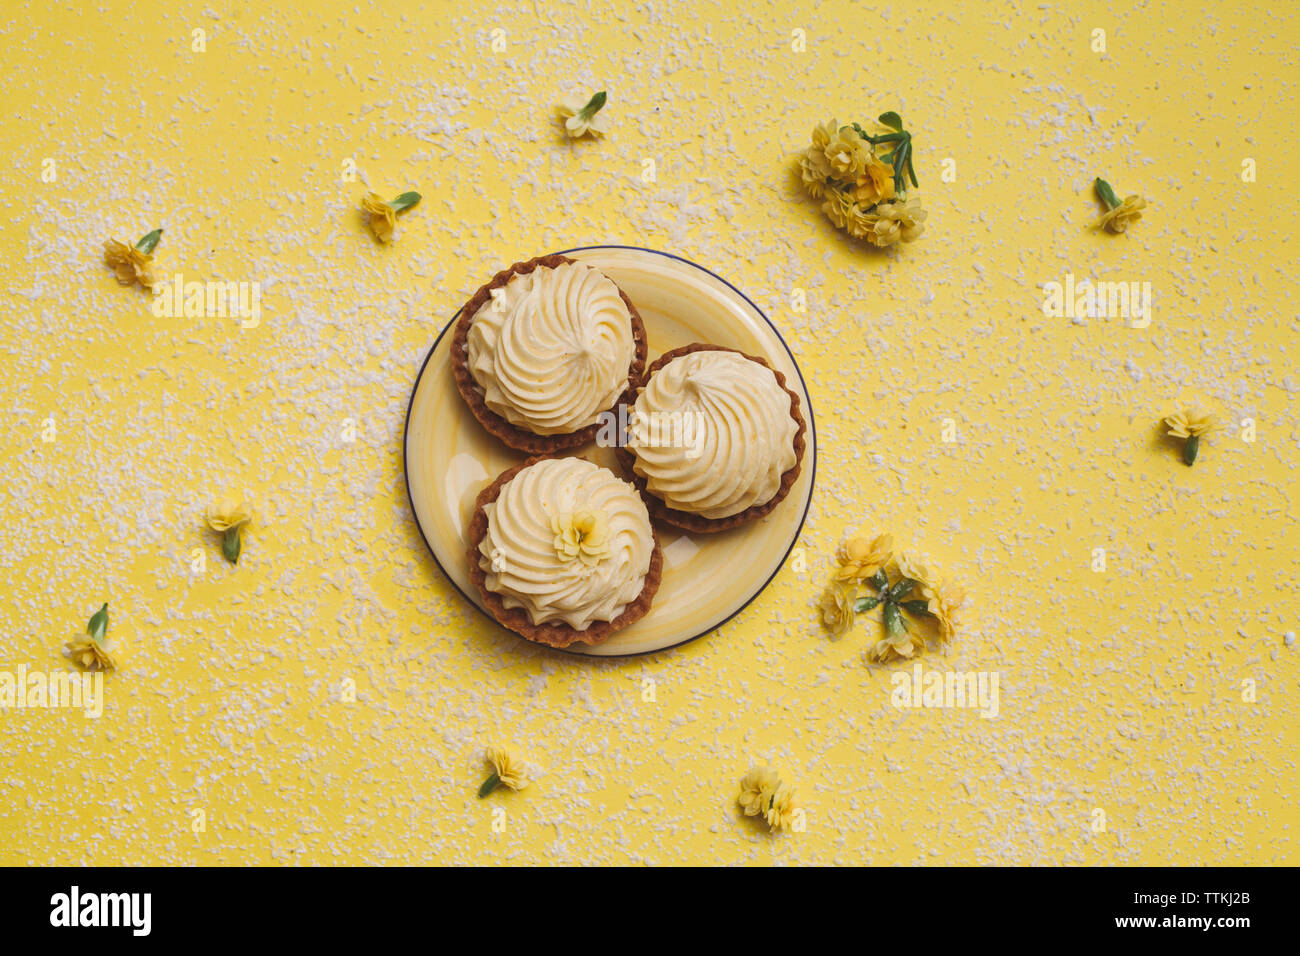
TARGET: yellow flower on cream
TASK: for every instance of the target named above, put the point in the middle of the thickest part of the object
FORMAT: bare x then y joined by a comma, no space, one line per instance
906,644
814,169
506,772
860,557
836,605
822,135
943,600
582,115
583,535
1189,423
226,517
757,789
838,208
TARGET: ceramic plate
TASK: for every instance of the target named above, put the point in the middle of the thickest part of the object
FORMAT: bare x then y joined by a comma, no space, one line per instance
707,578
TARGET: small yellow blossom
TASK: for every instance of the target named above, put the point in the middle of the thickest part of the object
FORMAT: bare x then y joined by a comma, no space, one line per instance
860,557
757,790
875,184
583,535
128,263
86,652
814,169
903,220
838,208
780,809
229,512
848,153
1191,421
380,216
943,600
1118,219
906,644
823,133
836,605
582,115
506,772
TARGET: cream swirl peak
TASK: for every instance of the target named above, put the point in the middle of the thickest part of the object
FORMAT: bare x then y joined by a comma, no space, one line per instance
745,434
552,348
519,555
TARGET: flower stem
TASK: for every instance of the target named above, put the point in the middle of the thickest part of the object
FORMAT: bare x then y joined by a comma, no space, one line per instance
1190,448
491,783
1105,193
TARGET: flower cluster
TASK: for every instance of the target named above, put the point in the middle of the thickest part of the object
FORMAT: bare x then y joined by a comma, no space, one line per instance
1192,417
763,794
861,178
381,216
131,263
908,593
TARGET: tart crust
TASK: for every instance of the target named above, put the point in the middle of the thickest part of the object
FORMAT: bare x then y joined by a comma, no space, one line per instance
554,634
685,520
518,438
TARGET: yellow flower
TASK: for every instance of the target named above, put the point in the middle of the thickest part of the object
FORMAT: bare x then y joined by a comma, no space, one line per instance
848,153
757,790
1118,219
861,221
381,216
583,535
128,263
887,648
815,169
875,184
580,118
823,134
860,557
86,652
507,771
943,600
836,605
838,208
901,220
228,513
780,809
1191,421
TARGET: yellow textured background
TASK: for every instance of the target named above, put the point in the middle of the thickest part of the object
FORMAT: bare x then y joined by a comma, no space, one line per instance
1120,690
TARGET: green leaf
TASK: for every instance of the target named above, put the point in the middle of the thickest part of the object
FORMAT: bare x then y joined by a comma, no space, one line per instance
1190,448
594,106
405,201
1105,193
892,120
894,625
911,173
887,138
917,608
863,605
97,627
231,545
901,157
149,241
901,588
490,784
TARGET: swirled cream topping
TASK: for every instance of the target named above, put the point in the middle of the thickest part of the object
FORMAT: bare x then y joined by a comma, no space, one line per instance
552,348
713,434
522,552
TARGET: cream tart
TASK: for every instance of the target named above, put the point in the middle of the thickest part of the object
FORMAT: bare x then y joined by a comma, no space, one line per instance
562,551
716,440
542,350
